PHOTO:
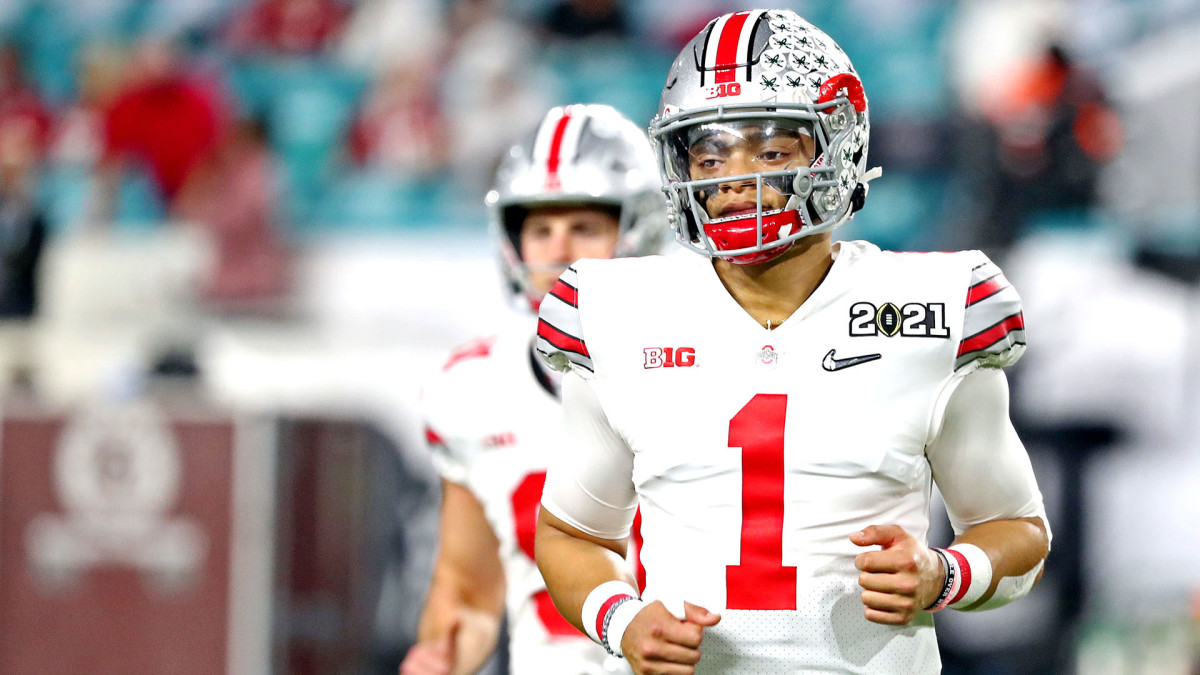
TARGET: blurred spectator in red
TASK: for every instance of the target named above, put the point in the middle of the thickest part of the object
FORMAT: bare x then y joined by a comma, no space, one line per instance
163,119
1055,112
21,109
1047,132
286,27
400,127
581,19
234,198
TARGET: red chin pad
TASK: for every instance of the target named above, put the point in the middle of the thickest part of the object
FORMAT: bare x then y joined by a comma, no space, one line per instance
738,233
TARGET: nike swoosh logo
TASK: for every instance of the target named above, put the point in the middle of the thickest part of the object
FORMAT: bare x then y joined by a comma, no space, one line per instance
831,364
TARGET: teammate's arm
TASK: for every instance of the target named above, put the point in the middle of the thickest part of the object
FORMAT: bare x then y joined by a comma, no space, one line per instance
588,506
461,620
986,479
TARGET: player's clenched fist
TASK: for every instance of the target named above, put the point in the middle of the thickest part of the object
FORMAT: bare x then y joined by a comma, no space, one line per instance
431,657
899,580
658,643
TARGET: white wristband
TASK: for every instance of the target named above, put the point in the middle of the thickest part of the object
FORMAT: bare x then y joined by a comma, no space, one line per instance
618,621
974,571
607,612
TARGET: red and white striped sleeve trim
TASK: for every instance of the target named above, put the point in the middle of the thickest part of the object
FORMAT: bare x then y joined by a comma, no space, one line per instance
993,323
560,330
449,461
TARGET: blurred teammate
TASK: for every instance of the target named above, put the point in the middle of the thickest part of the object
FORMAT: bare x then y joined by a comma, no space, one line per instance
780,406
584,185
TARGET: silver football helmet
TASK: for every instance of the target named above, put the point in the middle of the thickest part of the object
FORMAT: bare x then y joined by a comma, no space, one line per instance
579,154
781,95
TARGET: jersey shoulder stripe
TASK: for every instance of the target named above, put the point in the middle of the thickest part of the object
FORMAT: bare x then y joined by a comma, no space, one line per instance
433,438
476,349
565,292
560,339
450,463
560,336
993,322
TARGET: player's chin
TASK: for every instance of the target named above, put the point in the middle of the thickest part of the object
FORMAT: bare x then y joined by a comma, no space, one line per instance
888,618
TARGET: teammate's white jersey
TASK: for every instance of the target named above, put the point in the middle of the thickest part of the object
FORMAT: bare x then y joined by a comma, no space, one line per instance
756,453
492,425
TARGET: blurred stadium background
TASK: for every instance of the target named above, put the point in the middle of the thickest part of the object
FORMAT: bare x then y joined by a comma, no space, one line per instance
238,234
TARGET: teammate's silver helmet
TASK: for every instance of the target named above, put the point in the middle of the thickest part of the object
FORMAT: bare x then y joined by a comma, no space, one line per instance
753,75
579,154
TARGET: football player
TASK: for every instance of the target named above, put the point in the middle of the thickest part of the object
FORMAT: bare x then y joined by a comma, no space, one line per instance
583,185
781,406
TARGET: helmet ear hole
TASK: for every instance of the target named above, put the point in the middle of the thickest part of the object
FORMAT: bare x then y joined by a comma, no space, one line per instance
514,219
858,198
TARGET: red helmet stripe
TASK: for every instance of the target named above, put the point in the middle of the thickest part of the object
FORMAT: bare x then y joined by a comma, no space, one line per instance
555,155
727,47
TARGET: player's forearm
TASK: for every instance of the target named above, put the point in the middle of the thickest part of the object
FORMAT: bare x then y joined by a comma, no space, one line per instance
573,565
1016,548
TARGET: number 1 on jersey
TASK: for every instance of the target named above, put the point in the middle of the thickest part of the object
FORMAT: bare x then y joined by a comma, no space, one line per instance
761,581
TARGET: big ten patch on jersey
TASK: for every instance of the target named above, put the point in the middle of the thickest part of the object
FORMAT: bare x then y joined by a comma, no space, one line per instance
669,357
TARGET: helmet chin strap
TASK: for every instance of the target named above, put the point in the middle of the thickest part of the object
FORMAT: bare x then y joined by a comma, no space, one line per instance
523,285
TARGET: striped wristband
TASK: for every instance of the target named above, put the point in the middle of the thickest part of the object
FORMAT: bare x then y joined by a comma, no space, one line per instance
607,612
950,579
968,576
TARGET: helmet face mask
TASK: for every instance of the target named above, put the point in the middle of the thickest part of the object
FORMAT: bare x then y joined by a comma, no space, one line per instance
753,80
737,179
586,156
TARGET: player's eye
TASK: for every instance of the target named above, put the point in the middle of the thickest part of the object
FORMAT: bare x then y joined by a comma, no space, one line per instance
537,232
706,164
587,229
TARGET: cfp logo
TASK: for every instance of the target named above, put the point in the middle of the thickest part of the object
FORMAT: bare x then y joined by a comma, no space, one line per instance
915,319
669,357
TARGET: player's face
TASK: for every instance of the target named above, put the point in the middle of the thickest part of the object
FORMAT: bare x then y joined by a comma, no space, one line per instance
553,237
739,150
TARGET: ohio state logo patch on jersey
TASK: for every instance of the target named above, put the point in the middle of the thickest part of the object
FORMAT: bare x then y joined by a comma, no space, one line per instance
913,319
669,357
768,355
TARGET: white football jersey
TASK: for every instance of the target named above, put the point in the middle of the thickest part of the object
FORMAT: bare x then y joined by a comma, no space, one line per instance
757,453
492,425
